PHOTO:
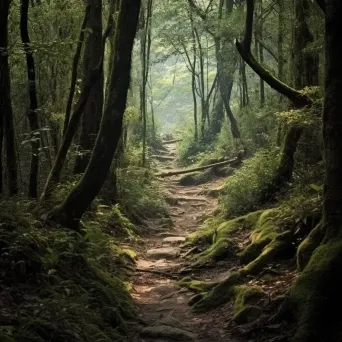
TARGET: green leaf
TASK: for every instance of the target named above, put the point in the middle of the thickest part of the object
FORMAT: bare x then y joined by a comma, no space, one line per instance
316,187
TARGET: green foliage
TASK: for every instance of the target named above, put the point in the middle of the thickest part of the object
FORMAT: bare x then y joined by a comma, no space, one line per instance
60,285
243,190
139,195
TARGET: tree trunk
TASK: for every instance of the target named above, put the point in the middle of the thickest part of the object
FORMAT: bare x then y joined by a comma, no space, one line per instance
306,64
193,75
93,110
299,100
316,295
57,168
145,67
74,71
32,112
77,202
6,112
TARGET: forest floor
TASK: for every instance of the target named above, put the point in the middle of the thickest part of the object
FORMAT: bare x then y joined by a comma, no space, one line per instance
162,304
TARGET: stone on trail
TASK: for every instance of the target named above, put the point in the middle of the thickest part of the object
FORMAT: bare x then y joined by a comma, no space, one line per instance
176,240
165,331
164,253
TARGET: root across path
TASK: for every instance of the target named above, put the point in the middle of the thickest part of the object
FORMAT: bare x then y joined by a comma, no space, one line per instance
162,304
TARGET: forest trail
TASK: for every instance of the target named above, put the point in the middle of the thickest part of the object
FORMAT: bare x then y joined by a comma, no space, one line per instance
161,260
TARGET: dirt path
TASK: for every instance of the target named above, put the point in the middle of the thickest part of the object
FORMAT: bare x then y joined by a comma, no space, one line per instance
163,306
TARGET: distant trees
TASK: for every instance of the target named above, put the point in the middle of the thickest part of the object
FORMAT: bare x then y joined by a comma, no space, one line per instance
6,111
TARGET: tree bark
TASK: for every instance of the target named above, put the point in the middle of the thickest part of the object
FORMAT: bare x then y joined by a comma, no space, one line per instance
6,112
93,110
74,71
299,100
244,47
316,294
32,111
56,170
306,64
71,210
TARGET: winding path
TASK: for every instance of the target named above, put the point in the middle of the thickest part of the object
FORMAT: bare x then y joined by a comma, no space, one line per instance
163,305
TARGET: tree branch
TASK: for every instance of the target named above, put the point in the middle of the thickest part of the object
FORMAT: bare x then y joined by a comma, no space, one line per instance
321,4
244,48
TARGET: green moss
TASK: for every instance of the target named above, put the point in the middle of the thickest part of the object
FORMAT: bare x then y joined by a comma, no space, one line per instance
316,296
197,178
308,245
280,243
247,295
265,231
221,293
221,249
196,286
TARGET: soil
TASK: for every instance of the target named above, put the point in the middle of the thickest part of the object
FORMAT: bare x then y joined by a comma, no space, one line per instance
162,261
159,299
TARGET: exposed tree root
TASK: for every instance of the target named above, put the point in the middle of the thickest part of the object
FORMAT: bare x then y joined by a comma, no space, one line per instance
316,296
225,290
308,246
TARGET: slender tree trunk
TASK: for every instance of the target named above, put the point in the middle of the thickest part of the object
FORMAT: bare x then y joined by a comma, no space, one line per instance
145,64
281,26
193,75
306,64
32,112
74,71
201,82
79,199
6,112
92,78
93,110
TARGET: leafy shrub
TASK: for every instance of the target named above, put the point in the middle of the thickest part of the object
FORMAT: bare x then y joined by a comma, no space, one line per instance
139,194
242,191
59,285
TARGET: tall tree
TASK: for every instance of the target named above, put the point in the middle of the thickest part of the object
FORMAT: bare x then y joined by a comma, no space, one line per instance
298,99
56,170
6,112
93,110
33,107
306,64
316,294
145,50
79,199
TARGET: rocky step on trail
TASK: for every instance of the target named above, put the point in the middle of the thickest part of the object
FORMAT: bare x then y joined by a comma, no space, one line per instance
162,304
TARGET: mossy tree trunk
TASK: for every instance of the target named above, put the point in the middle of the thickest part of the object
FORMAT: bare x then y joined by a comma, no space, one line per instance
316,296
32,90
6,112
71,210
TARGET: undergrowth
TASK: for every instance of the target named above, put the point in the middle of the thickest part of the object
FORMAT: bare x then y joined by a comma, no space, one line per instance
59,285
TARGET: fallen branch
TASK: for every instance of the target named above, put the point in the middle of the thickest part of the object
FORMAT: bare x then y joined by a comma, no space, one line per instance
171,141
234,161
